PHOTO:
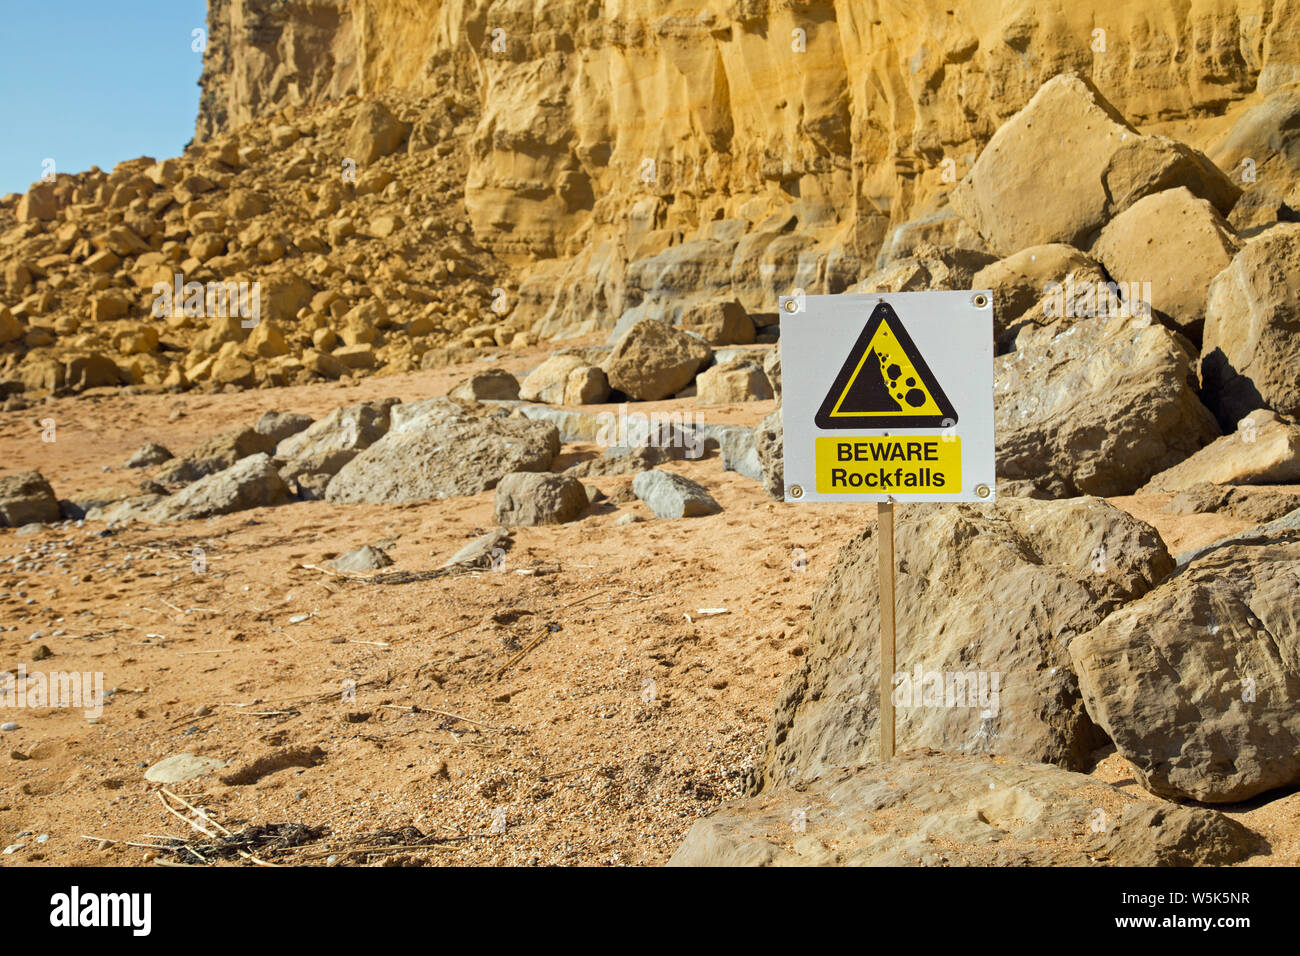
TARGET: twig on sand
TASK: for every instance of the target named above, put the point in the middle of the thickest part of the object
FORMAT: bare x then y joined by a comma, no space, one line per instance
206,819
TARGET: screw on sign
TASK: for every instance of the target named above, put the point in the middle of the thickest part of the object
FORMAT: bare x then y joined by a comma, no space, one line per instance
888,399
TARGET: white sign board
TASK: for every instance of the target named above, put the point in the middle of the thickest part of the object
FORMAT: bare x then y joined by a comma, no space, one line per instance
888,397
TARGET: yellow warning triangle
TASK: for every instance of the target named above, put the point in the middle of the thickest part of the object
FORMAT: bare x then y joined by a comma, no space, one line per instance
885,382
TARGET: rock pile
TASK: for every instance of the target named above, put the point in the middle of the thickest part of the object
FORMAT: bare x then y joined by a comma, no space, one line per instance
320,243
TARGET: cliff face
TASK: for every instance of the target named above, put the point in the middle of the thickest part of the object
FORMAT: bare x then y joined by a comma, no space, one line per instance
613,131
266,54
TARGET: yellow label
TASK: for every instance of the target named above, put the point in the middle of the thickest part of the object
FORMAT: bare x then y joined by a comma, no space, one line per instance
857,465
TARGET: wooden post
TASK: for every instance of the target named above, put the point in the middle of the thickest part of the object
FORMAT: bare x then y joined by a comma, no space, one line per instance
885,544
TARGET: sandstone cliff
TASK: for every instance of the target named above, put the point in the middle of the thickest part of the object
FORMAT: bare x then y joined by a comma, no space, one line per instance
609,132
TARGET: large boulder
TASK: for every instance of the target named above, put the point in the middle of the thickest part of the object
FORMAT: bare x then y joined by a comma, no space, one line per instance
772,369
444,456
213,455
252,482
1097,408
1284,526
931,809
530,498
324,447
1196,682
149,454
1251,349
930,267
588,385
719,322
1264,450
987,597
654,361
38,203
1021,281
26,497
738,448
1100,165
737,381
1178,243
1262,150
670,495
769,446
93,370
277,426
375,133
490,384
546,382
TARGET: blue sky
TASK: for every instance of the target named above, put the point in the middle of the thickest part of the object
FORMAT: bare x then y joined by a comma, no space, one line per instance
93,82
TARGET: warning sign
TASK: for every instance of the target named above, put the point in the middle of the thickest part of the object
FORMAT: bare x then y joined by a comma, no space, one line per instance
885,382
889,397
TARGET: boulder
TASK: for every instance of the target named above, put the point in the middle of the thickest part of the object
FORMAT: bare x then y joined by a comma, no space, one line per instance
109,306
94,370
213,455
987,596
654,361
149,454
1263,450
26,497
491,384
348,429
1250,351
1265,140
737,381
931,809
251,482
772,369
528,498
546,382
719,322
1100,165
11,330
133,508
1196,682
587,385
363,558
180,768
1259,507
738,447
1021,281
1097,408
1178,243
930,267
38,203
625,461
442,457
231,368
266,340
277,426
314,455
670,495
769,445
375,133
482,551
355,357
